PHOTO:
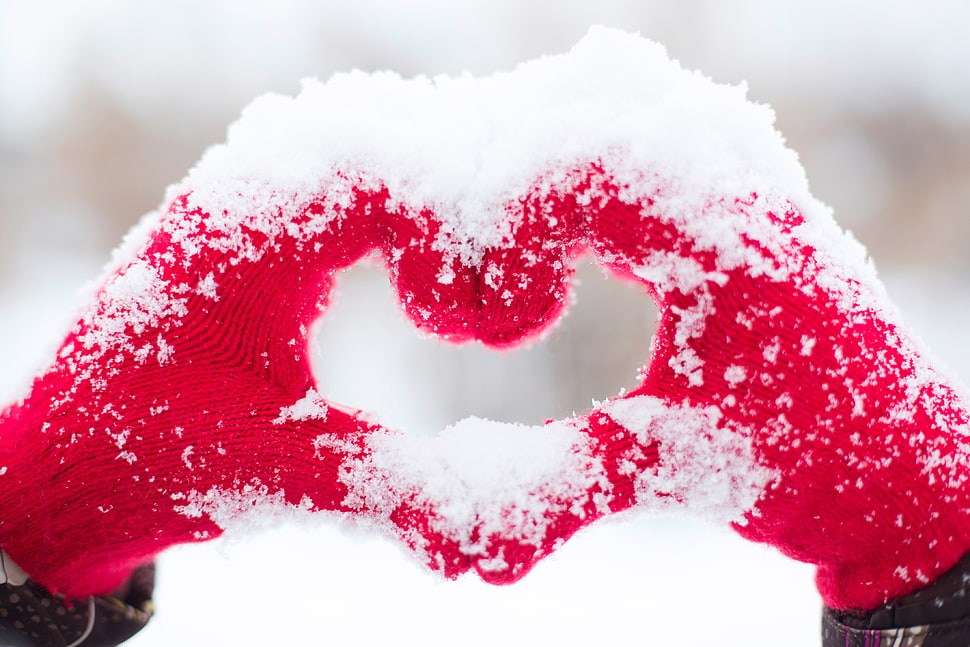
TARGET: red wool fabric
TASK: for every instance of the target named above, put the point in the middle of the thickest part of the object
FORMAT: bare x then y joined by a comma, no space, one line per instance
867,446
99,456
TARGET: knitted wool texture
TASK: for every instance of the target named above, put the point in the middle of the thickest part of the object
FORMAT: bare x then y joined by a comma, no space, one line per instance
185,393
781,395
767,340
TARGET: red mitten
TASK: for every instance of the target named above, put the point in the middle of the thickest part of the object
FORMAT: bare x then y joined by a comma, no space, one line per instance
781,395
183,398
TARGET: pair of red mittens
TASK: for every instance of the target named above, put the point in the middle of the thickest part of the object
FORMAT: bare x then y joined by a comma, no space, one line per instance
782,395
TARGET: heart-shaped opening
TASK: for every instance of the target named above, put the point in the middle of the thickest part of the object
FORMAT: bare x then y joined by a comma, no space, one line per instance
368,355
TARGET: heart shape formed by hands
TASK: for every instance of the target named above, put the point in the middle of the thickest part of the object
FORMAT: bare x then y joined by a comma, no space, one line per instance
781,394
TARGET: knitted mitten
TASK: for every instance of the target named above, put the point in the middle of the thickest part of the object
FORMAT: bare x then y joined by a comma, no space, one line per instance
782,395
183,398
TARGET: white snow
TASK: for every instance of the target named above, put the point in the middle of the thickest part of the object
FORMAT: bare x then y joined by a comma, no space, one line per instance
465,146
705,465
133,301
311,407
255,502
501,476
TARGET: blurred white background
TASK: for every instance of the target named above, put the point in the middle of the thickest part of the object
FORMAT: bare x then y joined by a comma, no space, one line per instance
105,102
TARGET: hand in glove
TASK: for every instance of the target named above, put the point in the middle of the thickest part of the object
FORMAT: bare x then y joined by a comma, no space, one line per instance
183,398
781,394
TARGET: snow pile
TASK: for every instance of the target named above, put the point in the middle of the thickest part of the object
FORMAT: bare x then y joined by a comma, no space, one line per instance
480,477
464,147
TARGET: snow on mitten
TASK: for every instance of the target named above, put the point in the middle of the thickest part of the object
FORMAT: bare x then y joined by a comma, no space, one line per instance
782,394
183,397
